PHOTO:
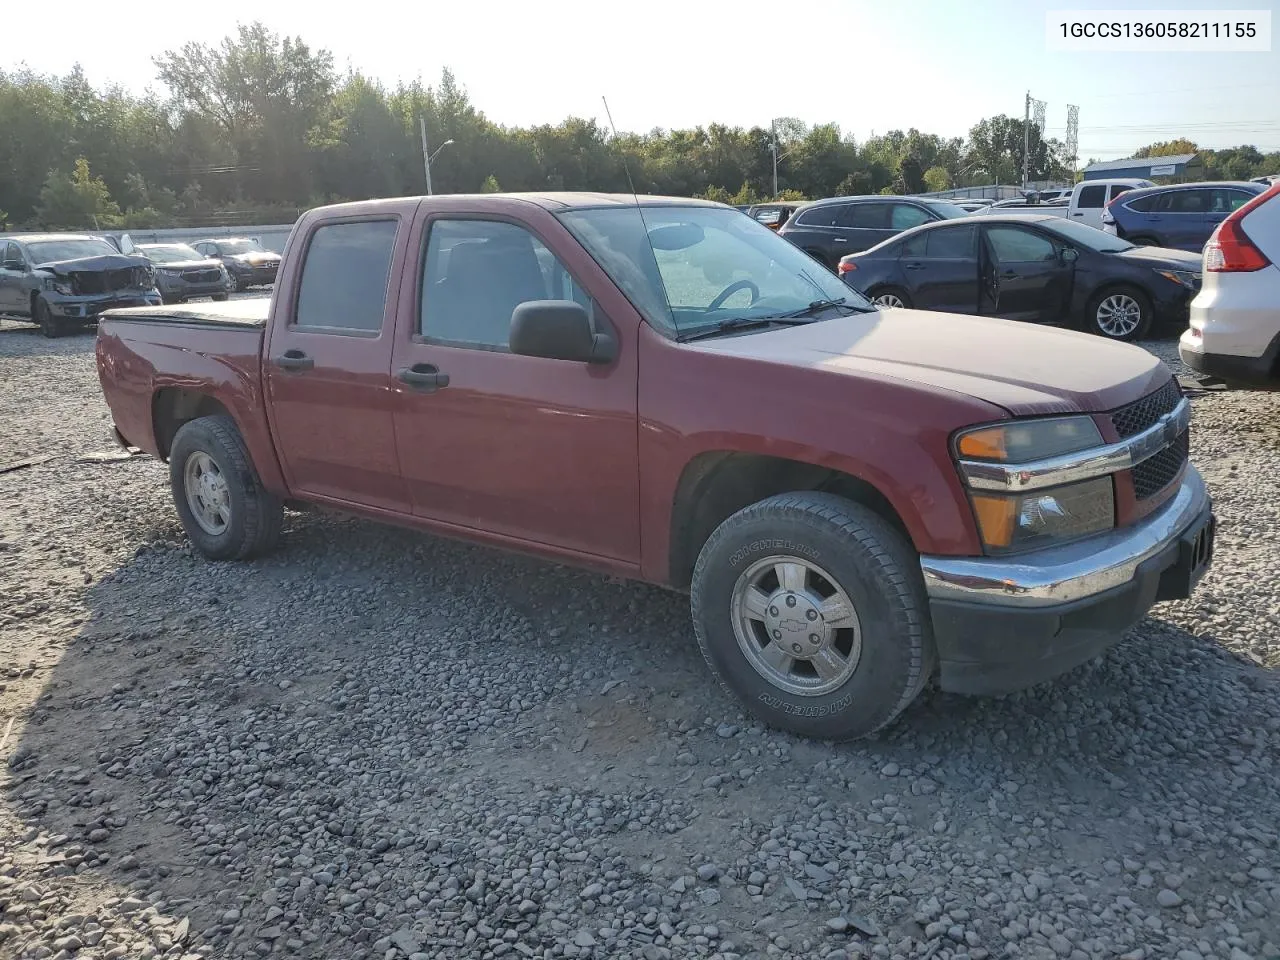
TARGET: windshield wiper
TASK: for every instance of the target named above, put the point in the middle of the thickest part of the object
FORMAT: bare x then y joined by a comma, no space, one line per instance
740,323
819,305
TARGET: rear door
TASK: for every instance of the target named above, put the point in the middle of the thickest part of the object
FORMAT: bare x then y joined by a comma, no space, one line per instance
531,448
821,231
1023,275
941,268
1180,217
865,223
328,362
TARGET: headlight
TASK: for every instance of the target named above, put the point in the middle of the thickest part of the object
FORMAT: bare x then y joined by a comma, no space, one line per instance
168,272
1020,440
1182,277
58,286
1025,520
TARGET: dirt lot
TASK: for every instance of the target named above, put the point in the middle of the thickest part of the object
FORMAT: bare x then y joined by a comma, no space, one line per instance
378,744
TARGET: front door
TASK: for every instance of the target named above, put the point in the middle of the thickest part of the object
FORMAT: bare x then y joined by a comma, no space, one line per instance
1024,276
535,449
328,364
1088,205
13,270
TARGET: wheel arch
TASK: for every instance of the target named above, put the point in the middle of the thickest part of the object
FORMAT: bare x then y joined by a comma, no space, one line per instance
171,407
714,485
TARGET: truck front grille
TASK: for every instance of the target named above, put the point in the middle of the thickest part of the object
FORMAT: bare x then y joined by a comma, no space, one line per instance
1141,414
1155,473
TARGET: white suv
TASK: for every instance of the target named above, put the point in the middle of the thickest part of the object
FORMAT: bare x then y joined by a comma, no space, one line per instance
1235,319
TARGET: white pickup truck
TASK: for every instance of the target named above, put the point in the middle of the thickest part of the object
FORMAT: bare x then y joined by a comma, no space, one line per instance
1088,199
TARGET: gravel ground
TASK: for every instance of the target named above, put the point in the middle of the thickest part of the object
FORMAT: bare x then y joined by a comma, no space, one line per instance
378,744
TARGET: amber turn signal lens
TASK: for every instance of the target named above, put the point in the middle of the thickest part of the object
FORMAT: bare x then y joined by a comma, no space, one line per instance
983,444
995,519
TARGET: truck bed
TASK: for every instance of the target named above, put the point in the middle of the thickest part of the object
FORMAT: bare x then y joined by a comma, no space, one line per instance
251,312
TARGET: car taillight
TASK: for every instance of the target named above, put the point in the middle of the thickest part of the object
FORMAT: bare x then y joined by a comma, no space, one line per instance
844,267
1229,249
1107,217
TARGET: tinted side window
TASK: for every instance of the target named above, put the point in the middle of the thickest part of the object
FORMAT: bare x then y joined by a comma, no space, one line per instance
344,277
9,251
905,216
951,243
826,215
914,246
477,272
1143,204
1119,188
1224,199
1015,245
865,215
1092,196
1185,201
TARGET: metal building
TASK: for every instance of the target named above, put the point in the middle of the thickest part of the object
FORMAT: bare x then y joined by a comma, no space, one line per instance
1147,168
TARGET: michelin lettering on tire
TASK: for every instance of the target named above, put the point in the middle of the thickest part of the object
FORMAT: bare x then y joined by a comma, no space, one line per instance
807,710
759,546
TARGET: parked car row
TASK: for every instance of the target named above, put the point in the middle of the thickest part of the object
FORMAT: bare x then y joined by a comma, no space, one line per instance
61,281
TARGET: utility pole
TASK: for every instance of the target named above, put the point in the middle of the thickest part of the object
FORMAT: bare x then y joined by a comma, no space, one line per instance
1026,140
426,157
773,125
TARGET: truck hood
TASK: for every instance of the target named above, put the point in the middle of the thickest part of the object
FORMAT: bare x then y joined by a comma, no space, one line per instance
102,264
1025,369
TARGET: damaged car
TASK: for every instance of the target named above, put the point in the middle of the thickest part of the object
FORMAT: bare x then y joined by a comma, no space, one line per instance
249,263
64,281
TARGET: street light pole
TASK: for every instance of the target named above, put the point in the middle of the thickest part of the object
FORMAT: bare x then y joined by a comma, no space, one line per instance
426,156
773,125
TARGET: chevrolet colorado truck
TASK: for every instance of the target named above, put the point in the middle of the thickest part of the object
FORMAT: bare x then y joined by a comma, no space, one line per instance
856,499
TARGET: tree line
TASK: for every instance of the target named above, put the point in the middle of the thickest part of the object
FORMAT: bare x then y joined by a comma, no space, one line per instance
260,126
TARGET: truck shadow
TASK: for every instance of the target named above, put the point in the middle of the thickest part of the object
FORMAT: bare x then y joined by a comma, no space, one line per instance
217,732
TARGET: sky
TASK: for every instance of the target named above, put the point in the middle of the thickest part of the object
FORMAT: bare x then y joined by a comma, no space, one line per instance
867,65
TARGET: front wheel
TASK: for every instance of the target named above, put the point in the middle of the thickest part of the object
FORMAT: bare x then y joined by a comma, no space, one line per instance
49,325
1119,313
810,609
220,500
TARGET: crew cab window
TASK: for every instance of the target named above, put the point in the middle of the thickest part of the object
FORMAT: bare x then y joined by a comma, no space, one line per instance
904,216
477,272
950,243
1092,196
344,276
1015,245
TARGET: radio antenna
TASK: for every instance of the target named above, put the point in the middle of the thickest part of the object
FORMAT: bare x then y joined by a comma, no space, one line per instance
644,225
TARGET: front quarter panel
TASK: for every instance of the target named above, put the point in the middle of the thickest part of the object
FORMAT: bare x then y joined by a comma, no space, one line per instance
891,434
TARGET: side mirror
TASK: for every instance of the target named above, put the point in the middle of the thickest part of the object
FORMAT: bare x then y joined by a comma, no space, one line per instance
14,265
1070,254
558,330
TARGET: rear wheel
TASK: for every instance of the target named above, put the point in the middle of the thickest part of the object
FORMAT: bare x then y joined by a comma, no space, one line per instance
220,499
810,609
50,325
889,297
1119,313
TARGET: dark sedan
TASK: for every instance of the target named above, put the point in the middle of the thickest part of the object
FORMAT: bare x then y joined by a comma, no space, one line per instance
1180,216
1029,267
182,273
828,229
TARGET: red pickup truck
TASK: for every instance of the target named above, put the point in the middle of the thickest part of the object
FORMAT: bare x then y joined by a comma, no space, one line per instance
855,498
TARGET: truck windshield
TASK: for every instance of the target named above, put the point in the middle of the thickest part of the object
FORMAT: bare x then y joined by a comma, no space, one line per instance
689,267
55,251
170,253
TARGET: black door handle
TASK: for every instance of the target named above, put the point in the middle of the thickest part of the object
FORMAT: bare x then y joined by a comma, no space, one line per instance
915,266
294,360
424,376
1009,275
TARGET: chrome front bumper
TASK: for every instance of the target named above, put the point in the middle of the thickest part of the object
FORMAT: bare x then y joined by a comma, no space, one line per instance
1069,573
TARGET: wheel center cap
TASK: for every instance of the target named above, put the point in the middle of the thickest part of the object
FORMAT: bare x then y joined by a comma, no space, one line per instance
795,624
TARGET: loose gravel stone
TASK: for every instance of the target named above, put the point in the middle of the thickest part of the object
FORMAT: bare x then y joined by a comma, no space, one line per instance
378,745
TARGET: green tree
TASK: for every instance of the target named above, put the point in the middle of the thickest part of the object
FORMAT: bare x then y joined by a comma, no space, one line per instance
1168,148
937,178
490,185
80,200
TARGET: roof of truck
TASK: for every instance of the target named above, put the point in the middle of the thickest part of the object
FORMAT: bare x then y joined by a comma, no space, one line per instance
548,200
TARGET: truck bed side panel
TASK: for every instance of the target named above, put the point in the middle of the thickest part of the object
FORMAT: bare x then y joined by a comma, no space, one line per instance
138,358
